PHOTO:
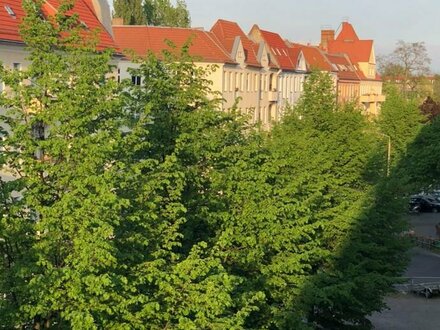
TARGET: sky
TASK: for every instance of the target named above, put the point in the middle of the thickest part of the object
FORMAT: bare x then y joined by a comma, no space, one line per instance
384,21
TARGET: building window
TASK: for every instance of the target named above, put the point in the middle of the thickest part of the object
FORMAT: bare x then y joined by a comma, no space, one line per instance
136,80
248,82
231,83
119,75
16,66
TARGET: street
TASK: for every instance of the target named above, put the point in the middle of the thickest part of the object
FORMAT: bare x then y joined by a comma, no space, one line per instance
408,311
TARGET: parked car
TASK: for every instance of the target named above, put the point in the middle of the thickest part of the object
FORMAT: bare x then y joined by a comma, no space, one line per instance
421,203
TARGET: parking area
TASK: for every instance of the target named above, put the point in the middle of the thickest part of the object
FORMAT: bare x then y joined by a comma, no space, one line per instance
409,311
424,223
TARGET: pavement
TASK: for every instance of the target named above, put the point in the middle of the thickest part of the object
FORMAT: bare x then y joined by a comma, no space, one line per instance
424,224
409,311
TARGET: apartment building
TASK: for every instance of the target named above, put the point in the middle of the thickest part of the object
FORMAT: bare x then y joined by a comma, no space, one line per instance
290,65
244,72
94,14
361,54
261,70
258,72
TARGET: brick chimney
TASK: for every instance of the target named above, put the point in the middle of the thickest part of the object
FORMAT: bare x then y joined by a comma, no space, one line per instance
326,36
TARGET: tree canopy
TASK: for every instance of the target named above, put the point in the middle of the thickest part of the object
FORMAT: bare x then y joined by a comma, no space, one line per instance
152,12
164,13
131,11
145,207
409,64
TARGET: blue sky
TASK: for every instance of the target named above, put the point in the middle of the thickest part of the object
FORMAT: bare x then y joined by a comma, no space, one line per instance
384,21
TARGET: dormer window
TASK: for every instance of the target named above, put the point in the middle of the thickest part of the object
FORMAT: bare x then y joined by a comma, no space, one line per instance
84,25
10,11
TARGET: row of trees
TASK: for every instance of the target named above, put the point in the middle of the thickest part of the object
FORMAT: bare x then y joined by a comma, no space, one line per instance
152,12
144,207
408,68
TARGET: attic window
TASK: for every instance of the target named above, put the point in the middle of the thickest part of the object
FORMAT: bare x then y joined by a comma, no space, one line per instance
10,11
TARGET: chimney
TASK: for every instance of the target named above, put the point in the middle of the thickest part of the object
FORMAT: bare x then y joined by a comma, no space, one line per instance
102,11
326,36
117,21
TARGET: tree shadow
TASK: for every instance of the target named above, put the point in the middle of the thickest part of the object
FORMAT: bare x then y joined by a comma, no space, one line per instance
354,282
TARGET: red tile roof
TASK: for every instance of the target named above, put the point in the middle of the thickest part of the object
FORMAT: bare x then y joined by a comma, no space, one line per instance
348,42
227,31
343,67
294,53
347,33
279,49
9,25
142,39
315,58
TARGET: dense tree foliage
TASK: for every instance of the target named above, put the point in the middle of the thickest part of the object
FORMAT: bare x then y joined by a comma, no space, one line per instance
144,207
430,109
408,64
152,12
400,120
131,11
164,13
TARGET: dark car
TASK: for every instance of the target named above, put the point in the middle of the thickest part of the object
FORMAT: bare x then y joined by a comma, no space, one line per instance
424,204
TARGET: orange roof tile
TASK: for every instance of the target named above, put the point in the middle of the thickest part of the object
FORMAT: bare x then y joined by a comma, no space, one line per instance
347,33
142,39
315,58
279,49
227,31
348,42
343,67
9,25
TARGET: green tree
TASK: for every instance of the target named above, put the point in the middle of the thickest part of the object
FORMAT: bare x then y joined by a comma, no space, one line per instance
164,13
400,120
325,154
131,11
408,64
145,206
111,180
63,133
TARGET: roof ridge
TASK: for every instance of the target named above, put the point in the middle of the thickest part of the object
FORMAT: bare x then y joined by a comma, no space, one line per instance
217,43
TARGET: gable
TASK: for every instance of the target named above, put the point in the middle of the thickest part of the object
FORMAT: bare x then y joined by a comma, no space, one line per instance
301,64
238,52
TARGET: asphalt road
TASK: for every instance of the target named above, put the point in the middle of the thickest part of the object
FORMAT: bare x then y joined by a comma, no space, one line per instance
424,223
411,312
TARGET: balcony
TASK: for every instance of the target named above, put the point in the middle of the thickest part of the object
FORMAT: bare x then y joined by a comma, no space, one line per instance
370,98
